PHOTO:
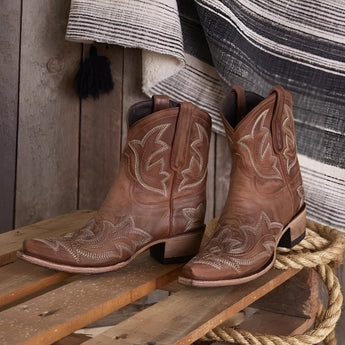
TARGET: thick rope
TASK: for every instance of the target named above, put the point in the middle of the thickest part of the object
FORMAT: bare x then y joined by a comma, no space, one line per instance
321,249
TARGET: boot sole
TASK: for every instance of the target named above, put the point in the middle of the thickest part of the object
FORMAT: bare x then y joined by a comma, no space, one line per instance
175,249
292,234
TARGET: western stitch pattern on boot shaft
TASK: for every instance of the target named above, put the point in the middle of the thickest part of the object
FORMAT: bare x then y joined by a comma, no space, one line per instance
158,196
265,204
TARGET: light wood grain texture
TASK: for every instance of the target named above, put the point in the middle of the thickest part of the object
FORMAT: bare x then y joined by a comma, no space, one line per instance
100,137
299,296
47,160
222,173
21,279
266,322
233,321
57,313
72,339
190,313
132,93
11,241
340,328
9,72
210,196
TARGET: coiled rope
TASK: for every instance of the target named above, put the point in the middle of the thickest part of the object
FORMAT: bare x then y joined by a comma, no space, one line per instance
322,249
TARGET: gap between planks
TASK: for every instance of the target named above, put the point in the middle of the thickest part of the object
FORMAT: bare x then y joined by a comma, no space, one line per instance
187,315
59,312
21,279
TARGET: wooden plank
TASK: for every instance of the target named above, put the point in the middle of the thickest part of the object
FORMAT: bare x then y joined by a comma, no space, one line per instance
190,313
340,327
265,322
21,279
9,71
222,173
12,241
48,124
57,313
100,137
233,321
299,296
132,93
72,339
210,191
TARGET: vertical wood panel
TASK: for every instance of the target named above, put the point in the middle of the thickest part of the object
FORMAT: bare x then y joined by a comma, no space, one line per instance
210,188
47,161
223,169
100,138
131,85
340,328
9,71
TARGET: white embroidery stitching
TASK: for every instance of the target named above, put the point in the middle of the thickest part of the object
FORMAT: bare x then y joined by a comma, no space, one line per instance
226,249
149,164
264,150
83,242
290,142
199,163
194,216
300,192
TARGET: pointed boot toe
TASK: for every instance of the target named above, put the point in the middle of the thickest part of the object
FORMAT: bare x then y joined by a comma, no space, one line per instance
202,274
35,247
193,272
44,251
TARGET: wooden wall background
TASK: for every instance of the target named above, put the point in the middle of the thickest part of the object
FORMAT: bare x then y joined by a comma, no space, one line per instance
58,154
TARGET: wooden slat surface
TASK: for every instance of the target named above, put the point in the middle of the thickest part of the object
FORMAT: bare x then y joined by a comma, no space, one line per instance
21,279
47,318
12,241
222,173
210,191
266,322
48,124
100,137
190,313
72,339
340,327
9,72
296,297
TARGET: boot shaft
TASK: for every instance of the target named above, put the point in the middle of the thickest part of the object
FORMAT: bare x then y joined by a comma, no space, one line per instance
164,167
167,150
261,135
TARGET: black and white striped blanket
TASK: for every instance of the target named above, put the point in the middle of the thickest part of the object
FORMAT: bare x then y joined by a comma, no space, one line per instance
195,50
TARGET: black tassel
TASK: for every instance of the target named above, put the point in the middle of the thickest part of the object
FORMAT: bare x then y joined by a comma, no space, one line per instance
94,76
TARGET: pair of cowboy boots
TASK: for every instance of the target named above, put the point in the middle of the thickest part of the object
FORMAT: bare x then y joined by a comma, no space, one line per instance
158,198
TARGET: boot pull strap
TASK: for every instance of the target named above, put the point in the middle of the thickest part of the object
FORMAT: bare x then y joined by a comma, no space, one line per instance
282,97
241,104
182,133
160,102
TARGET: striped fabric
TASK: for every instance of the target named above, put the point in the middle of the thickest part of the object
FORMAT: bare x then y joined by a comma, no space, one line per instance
197,49
146,24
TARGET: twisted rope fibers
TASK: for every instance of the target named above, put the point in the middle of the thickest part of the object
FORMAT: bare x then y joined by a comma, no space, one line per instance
322,249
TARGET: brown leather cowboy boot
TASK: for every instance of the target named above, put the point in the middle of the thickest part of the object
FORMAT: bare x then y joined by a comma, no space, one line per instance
265,205
157,200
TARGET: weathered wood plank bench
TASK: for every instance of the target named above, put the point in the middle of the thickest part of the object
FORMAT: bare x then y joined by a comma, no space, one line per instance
42,306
